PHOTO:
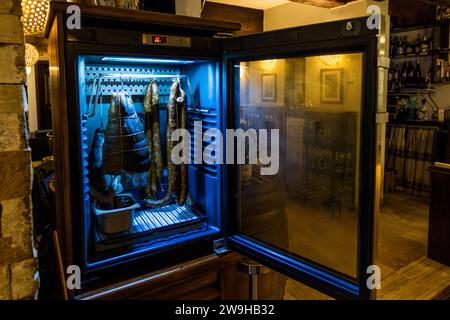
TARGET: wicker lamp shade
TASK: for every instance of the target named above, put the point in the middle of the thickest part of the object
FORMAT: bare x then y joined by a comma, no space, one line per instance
31,55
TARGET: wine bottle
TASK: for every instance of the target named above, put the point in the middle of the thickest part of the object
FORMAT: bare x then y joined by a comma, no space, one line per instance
405,46
396,81
409,48
391,75
400,47
404,75
411,76
428,77
437,72
417,45
425,45
418,73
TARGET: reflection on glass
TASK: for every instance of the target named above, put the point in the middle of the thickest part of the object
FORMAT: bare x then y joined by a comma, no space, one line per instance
310,207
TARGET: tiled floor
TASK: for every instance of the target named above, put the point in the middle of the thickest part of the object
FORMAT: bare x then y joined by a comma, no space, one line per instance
402,245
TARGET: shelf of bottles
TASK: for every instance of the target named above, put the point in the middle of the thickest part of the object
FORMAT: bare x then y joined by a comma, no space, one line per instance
442,44
411,53
420,56
419,62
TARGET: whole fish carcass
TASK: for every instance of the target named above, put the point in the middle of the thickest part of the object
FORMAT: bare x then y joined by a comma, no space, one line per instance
125,147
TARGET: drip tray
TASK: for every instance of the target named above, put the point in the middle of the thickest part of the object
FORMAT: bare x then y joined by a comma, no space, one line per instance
153,223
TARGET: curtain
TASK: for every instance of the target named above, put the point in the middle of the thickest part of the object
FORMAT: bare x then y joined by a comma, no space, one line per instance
409,153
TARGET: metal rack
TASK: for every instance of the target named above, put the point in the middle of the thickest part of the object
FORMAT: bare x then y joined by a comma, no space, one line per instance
150,224
131,76
100,82
134,80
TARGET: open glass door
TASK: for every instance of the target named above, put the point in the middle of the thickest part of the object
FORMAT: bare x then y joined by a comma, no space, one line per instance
303,201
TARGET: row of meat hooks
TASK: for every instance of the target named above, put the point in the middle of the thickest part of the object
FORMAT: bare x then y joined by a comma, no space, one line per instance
96,90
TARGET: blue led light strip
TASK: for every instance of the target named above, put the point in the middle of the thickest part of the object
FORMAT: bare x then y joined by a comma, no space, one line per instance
145,60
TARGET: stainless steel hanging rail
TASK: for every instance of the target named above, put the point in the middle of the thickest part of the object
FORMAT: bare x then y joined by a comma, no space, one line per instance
124,76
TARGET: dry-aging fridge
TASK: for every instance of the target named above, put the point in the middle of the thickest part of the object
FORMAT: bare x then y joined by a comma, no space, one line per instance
123,82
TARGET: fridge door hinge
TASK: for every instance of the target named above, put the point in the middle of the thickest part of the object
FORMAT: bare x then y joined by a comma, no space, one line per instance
383,62
220,246
382,117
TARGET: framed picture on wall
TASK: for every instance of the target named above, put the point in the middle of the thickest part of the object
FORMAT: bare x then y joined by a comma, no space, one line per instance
269,87
331,86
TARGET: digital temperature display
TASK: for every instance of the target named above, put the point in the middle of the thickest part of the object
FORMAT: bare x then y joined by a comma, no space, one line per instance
165,40
159,39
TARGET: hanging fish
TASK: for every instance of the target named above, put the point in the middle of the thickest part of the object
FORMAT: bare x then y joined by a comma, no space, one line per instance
171,127
125,147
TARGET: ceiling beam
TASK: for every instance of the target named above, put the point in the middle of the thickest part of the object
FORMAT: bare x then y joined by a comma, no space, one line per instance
324,3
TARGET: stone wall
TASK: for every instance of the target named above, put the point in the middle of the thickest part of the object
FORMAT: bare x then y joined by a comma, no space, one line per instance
17,264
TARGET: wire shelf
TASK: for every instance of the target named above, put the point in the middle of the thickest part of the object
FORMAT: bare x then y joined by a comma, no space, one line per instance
151,223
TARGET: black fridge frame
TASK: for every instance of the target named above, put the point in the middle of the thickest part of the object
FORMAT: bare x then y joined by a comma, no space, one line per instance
166,256
310,273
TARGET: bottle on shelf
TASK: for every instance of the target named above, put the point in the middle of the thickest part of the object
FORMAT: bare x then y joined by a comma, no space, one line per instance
411,74
411,111
438,13
417,45
391,76
418,73
445,74
400,48
437,71
425,45
430,43
393,46
429,76
404,75
396,76
405,45
410,50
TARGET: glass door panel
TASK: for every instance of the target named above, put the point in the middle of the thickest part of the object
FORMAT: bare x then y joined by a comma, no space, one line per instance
310,205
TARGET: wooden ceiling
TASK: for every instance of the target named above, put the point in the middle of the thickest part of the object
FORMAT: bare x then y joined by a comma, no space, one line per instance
324,3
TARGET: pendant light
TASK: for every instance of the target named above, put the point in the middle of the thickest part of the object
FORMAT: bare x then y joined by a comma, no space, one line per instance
34,16
31,56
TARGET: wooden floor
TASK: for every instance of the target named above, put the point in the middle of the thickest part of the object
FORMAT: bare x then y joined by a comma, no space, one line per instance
407,273
402,245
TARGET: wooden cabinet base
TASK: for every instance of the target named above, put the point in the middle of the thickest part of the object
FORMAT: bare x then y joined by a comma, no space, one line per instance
210,277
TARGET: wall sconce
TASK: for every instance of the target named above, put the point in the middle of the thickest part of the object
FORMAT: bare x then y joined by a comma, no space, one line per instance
34,16
31,57
331,60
